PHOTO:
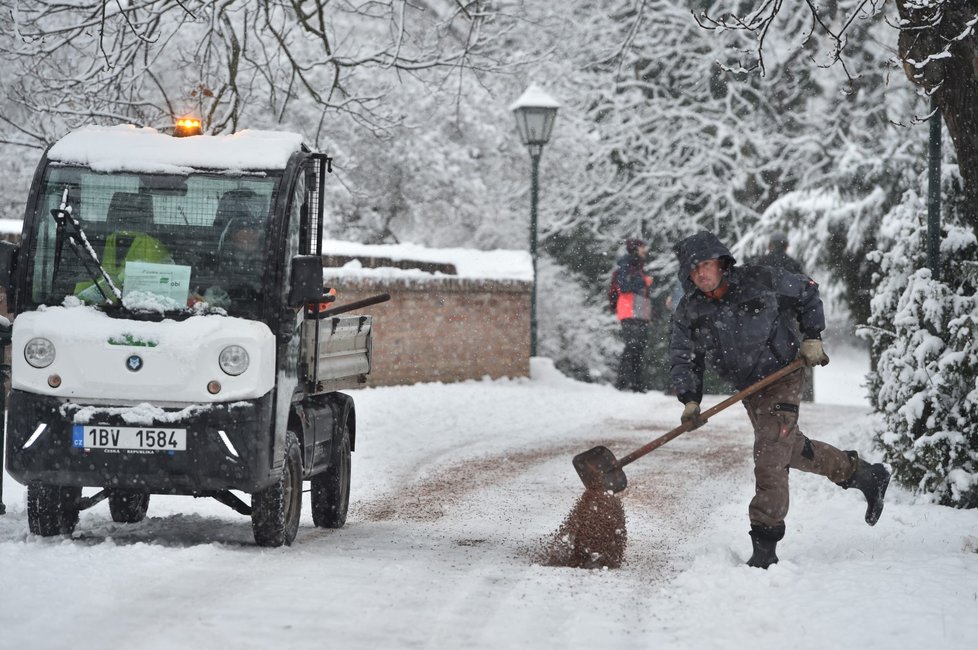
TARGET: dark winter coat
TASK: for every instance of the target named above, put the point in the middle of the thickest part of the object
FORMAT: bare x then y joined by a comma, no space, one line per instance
746,334
628,293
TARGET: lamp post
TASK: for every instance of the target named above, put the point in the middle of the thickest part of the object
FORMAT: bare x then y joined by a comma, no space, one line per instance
535,113
5,334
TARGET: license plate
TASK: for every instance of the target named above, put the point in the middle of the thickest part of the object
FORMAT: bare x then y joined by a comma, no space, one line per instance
93,436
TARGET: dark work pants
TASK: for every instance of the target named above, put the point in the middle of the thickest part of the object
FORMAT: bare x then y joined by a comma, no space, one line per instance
780,445
631,369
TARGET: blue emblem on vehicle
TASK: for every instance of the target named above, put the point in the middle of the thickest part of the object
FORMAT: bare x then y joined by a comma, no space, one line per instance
134,362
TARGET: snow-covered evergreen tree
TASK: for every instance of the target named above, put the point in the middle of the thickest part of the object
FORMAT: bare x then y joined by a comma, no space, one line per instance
924,332
832,228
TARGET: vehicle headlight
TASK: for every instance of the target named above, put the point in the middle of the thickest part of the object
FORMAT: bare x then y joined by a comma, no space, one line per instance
39,352
234,360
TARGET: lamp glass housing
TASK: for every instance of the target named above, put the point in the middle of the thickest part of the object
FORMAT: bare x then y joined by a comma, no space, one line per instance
535,123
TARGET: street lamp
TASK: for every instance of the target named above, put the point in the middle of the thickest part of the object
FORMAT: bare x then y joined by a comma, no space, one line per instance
5,334
535,113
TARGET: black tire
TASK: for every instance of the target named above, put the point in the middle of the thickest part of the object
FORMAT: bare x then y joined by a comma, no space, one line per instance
127,506
330,493
52,509
275,511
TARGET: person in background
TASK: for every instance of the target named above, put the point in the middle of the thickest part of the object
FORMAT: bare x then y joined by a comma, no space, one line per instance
777,256
129,218
736,317
239,263
628,298
236,273
671,302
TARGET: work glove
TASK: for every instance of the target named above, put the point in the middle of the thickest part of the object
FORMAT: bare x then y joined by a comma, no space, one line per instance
691,414
813,354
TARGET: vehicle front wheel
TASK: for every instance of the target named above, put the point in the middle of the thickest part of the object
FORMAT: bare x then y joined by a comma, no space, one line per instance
330,493
127,506
275,510
52,509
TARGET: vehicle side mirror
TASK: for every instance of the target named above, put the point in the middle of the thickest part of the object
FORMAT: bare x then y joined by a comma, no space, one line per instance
8,265
307,280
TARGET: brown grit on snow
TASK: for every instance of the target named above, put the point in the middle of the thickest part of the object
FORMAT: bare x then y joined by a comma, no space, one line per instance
592,536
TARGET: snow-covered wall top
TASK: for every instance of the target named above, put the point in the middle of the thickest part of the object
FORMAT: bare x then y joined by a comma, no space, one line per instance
146,150
469,263
11,226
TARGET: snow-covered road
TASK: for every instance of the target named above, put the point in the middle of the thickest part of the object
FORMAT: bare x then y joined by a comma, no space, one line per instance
455,489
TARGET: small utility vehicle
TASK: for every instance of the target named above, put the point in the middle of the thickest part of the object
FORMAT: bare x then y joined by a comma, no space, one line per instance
171,334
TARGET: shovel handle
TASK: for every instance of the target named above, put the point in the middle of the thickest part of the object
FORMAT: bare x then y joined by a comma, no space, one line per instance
356,304
709,413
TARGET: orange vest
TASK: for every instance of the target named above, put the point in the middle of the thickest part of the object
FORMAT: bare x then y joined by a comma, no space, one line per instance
635,305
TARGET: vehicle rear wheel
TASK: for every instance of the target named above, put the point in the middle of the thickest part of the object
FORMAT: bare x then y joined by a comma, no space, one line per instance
52,509
275,511
128,506
330,493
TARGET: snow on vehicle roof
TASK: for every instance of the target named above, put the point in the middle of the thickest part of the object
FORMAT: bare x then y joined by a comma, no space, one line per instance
146,150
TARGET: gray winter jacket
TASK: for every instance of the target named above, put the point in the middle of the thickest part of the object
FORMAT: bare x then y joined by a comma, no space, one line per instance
745,335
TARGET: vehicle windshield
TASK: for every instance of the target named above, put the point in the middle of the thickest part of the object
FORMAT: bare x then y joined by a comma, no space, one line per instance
170,243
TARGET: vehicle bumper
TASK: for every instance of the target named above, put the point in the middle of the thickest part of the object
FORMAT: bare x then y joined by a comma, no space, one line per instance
208,464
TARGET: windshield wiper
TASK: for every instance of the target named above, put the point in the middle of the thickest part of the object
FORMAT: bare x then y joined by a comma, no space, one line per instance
70,229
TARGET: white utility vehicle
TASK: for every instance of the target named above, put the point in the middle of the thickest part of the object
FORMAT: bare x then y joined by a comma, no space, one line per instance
170,334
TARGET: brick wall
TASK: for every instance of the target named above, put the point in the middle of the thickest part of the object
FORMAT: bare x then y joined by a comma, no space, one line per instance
445,329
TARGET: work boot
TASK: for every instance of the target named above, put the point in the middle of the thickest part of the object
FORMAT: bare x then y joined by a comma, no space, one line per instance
872,481
765,540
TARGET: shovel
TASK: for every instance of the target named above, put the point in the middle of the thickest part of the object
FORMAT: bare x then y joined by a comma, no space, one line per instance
600,470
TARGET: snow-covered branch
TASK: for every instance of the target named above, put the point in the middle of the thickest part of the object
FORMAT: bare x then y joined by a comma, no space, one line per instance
139,61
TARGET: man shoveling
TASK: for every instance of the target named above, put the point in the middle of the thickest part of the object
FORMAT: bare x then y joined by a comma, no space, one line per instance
737,318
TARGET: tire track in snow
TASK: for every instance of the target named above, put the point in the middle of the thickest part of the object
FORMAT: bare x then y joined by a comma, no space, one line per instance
429,498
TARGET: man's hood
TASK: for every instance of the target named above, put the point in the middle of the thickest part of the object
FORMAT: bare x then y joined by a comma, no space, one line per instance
698,248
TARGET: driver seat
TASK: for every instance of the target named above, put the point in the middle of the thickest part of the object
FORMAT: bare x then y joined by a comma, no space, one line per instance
129,216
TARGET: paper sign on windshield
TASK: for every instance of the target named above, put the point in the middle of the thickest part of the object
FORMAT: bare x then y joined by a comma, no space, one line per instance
166,280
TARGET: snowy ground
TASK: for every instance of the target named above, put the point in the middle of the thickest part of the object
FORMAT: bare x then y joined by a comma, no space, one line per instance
456,486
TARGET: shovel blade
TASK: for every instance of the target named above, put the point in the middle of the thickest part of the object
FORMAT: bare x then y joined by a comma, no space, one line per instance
599,470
